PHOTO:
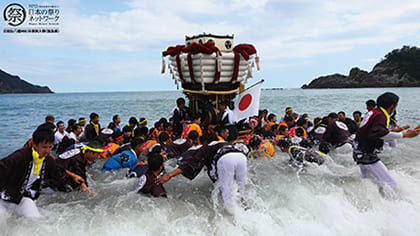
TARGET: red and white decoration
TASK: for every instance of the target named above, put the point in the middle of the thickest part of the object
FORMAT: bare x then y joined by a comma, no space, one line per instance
206,64
248,103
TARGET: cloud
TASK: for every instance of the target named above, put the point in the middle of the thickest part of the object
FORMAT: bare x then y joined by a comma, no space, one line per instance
337,26
145,26
130,37
279,28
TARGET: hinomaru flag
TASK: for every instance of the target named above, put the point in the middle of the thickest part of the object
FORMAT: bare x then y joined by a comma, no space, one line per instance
248,103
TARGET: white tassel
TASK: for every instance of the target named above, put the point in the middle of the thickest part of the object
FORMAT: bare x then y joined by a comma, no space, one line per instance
257,60
175,81
163,65
249,74
170,69
174,78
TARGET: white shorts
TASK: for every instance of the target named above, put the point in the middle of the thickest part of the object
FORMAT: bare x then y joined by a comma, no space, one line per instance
230,167
378,171
26,207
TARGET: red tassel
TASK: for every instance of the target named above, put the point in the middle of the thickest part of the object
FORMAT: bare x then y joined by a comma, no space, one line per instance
245,50
218,68
235,67
178,64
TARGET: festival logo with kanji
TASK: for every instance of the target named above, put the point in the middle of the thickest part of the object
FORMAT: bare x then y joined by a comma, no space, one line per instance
14,14
33,18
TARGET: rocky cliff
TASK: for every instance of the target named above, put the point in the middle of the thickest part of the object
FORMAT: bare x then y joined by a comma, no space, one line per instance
399,68
13,84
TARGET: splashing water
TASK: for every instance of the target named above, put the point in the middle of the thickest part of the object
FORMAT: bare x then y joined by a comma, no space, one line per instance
331,199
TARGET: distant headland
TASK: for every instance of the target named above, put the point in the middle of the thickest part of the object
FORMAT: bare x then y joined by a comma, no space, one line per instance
399,68
13,84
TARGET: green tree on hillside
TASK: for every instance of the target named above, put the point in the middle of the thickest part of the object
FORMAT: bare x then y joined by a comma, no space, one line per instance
407,60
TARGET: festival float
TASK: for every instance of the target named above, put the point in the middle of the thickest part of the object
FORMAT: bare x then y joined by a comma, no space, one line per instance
210,69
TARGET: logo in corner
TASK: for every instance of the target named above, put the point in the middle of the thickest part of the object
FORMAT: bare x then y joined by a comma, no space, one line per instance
14,14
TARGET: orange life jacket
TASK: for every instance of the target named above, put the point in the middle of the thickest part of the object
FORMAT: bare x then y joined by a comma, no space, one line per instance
189,127
147,145
267,149
292,131
109,150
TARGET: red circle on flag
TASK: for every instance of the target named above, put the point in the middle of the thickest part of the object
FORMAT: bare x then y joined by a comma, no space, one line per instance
245,102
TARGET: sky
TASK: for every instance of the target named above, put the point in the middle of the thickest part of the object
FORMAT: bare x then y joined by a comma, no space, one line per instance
117,45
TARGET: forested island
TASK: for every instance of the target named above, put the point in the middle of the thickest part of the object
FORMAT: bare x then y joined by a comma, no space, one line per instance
14,84
399,68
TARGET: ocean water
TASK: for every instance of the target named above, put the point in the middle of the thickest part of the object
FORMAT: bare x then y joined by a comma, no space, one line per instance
327,200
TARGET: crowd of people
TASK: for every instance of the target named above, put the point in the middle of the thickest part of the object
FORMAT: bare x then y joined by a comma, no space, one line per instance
57,156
